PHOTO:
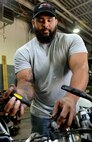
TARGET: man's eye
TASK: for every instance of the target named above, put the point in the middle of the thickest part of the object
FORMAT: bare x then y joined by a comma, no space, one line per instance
49,20
40,20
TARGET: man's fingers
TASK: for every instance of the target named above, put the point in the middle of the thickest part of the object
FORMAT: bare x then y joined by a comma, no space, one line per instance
70,119
10,104
55,109
15,108
8,92
66,116
65,111
22,109
63,116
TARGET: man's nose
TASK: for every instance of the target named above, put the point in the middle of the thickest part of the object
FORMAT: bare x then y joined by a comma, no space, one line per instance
46,23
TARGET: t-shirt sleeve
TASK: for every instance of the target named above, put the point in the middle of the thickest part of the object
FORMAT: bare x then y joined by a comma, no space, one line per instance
77,44
21,60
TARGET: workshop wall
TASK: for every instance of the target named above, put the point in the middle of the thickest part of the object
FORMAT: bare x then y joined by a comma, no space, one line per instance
11,76
12,37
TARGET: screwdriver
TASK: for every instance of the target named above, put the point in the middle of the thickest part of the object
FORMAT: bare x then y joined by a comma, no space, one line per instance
28,103
22,99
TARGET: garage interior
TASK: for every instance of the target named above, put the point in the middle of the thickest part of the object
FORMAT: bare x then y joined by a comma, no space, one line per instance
71,14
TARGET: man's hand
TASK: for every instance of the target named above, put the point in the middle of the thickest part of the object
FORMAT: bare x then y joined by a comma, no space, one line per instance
13,105
4,98
68,110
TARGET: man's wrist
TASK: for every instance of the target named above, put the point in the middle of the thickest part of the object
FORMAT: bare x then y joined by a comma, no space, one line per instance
73,97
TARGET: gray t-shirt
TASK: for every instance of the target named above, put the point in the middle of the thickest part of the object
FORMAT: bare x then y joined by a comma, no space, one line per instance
50,67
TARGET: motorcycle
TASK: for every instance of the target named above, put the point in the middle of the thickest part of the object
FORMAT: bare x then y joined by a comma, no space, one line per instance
80,130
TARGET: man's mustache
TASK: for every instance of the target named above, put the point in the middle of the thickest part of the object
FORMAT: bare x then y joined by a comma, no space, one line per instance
44,29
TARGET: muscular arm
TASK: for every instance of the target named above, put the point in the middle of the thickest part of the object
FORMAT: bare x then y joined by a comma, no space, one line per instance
25,84
25,87
78,63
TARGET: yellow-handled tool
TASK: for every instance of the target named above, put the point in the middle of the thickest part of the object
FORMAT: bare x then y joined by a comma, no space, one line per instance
28,103
22,99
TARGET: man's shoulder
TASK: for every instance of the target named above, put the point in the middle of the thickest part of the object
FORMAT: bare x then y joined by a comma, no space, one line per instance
66,35
30,43
69,37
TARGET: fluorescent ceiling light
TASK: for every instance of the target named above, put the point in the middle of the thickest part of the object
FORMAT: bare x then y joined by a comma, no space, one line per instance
76,30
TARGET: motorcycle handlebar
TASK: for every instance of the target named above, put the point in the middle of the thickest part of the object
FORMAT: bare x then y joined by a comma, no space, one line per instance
77,92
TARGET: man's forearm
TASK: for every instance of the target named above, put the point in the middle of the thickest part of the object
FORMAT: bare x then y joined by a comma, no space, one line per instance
26,89
25,85
79,81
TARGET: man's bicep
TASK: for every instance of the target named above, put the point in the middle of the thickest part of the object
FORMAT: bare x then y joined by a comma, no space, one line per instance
78,61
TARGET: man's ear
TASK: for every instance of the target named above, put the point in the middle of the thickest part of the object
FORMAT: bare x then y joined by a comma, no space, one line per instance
56,21
33,23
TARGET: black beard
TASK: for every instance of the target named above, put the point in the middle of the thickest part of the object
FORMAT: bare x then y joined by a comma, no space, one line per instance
44,39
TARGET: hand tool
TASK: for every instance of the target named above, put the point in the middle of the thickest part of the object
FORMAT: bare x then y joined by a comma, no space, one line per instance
28,103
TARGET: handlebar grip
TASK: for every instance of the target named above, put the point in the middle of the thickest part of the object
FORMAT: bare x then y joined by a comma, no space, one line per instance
76,92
